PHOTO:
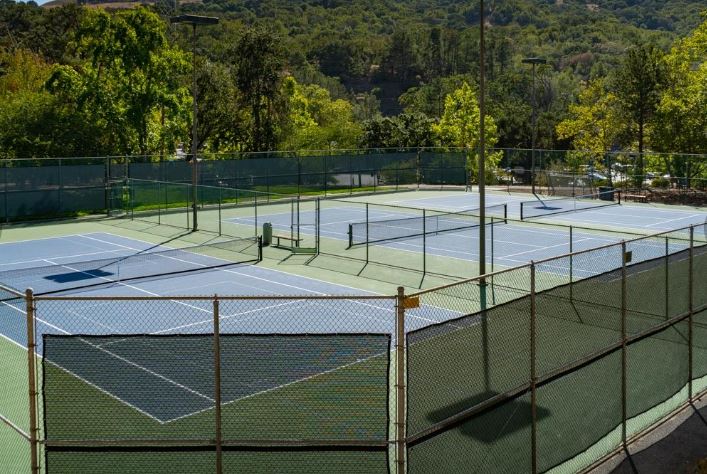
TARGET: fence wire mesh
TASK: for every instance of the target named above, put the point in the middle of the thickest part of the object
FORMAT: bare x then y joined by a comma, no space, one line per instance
501,372
286,382
588,339
14,411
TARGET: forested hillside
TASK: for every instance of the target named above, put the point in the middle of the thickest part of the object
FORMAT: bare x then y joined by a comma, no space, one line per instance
315,74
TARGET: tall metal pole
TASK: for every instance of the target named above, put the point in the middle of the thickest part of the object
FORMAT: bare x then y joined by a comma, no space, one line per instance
482,200
194,20
194,145
482,148
532,138
533,134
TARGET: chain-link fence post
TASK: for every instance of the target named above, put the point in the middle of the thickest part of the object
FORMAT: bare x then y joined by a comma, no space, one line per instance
624,257
690,309
32,380
667,277
400,370
217,385
533,377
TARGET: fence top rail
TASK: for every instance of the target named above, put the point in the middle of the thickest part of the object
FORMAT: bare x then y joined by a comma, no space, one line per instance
213,297
12,291
343,151
619,244
550,259
204,186
469,280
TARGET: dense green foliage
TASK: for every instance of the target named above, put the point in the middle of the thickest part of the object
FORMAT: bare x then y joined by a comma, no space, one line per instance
317,74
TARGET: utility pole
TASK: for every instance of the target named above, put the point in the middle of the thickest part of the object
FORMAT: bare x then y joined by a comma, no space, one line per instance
194,20
533,62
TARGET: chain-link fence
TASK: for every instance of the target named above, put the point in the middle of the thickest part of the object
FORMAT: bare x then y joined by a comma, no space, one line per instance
559,362
53,187
553,364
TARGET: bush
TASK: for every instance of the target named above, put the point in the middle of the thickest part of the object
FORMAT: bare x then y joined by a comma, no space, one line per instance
660,182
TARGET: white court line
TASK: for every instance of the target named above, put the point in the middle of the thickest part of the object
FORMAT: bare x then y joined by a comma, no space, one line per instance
22,262
676,219
41,238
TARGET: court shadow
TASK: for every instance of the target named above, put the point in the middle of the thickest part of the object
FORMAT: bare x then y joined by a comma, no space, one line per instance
78,276
493,423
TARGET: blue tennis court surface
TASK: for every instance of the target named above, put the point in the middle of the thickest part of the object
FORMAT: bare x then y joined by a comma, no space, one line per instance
510,244
180,317
257,316
647,218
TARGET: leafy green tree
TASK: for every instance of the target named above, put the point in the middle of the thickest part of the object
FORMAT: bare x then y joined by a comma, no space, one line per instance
259,62
638,84
682,120
595,124
127,80
221,122
460,127
681,124
315,121
403,131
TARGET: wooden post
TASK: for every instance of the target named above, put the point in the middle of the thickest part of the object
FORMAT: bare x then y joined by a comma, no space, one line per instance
32,381
623,345
400,370
533,376
217,385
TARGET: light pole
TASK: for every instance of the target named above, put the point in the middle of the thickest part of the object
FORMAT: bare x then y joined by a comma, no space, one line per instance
534,62
194,20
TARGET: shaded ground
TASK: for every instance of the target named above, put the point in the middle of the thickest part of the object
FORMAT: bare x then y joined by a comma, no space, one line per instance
682,451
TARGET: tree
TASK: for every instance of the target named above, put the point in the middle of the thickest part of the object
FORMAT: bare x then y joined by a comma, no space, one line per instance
403,131
682,120
638,85
595,123
315,121
126,80
681,124
460,127
259,62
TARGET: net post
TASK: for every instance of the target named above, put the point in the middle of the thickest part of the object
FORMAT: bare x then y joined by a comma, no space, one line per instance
367,222
217,386
260,248
424,243
521,211
159,203
32,380
131,197
690,309
400,389
255,212
317,225
350,234
623,345
491,245
292,219
571,263
533,377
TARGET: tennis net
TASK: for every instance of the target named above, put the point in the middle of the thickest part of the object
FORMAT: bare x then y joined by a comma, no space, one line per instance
546,207
429,222
155,262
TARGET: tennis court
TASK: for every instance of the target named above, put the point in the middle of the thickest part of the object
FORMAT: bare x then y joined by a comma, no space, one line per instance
641,217
127,326
509,242
105,265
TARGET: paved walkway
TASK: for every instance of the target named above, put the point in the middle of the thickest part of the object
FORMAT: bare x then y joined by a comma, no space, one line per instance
682,451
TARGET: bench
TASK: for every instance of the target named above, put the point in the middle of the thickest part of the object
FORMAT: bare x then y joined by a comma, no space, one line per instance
279,237
635,197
